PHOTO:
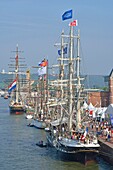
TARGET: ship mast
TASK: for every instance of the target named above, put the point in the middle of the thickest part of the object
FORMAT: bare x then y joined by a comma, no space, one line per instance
78,85
47,88
78,114
62,67
16,72
70,78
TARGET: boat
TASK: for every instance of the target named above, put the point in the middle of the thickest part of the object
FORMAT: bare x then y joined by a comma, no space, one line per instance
29,116
30,125
6,97
16,104
29,112
68,134
16,107
41,119
29,104
41,144
39,124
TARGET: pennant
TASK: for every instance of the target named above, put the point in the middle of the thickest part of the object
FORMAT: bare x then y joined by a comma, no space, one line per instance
67,15
12,86
74,23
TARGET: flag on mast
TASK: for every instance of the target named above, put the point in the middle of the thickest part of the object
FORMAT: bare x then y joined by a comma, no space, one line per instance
64,51
74,23
12,86
43,63
43,67
42,71
67,15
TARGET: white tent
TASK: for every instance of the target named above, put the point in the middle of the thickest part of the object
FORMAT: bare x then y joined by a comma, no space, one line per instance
91,107
101,112
94,112
109,111
85,105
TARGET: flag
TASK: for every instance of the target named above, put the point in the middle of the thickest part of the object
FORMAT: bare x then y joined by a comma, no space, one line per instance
42,70
12,86
74,23
86,129
16,58
67,15
64,51
43,63
91,112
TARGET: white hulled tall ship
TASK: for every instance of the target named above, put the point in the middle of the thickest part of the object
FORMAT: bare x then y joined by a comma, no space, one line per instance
40,114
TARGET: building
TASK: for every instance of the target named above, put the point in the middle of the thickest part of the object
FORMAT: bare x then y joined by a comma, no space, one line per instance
101,98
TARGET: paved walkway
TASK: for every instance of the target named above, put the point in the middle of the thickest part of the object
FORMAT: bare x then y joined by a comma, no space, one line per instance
103,139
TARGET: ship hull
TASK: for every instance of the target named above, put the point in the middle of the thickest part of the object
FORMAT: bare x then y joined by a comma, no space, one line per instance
83,155
39,124
77,154
16,109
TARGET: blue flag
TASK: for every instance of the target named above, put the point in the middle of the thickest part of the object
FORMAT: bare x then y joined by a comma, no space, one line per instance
67,15
64,51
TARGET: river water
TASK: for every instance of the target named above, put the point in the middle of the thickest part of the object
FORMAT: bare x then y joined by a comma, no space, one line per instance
18,149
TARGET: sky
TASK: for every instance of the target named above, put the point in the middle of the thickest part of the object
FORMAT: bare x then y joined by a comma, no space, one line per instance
36,27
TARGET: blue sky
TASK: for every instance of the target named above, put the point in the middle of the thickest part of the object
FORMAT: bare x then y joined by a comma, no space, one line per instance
37,25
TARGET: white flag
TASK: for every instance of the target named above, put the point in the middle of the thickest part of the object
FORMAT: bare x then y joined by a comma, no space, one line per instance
42,70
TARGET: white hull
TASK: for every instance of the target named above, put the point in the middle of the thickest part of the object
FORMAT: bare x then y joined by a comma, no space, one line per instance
40,124
29,116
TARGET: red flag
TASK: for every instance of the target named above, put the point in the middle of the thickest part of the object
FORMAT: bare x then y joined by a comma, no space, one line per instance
16,58
74,23
43,63
91,112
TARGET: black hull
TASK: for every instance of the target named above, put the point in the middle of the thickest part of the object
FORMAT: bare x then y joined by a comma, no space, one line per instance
42,145
16,110
82,155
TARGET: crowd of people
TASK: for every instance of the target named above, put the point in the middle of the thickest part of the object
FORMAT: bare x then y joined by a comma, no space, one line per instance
103,129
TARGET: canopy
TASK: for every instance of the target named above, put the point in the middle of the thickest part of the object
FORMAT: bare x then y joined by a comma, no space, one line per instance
109,111
91,107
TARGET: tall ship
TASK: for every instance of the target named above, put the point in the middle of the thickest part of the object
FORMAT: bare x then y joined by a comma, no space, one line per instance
16,104
69,133
41,118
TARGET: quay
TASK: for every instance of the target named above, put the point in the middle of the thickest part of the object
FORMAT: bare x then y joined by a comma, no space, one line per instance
102,129
106,148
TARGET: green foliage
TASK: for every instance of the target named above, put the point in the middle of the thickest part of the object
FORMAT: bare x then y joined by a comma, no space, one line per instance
105,88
